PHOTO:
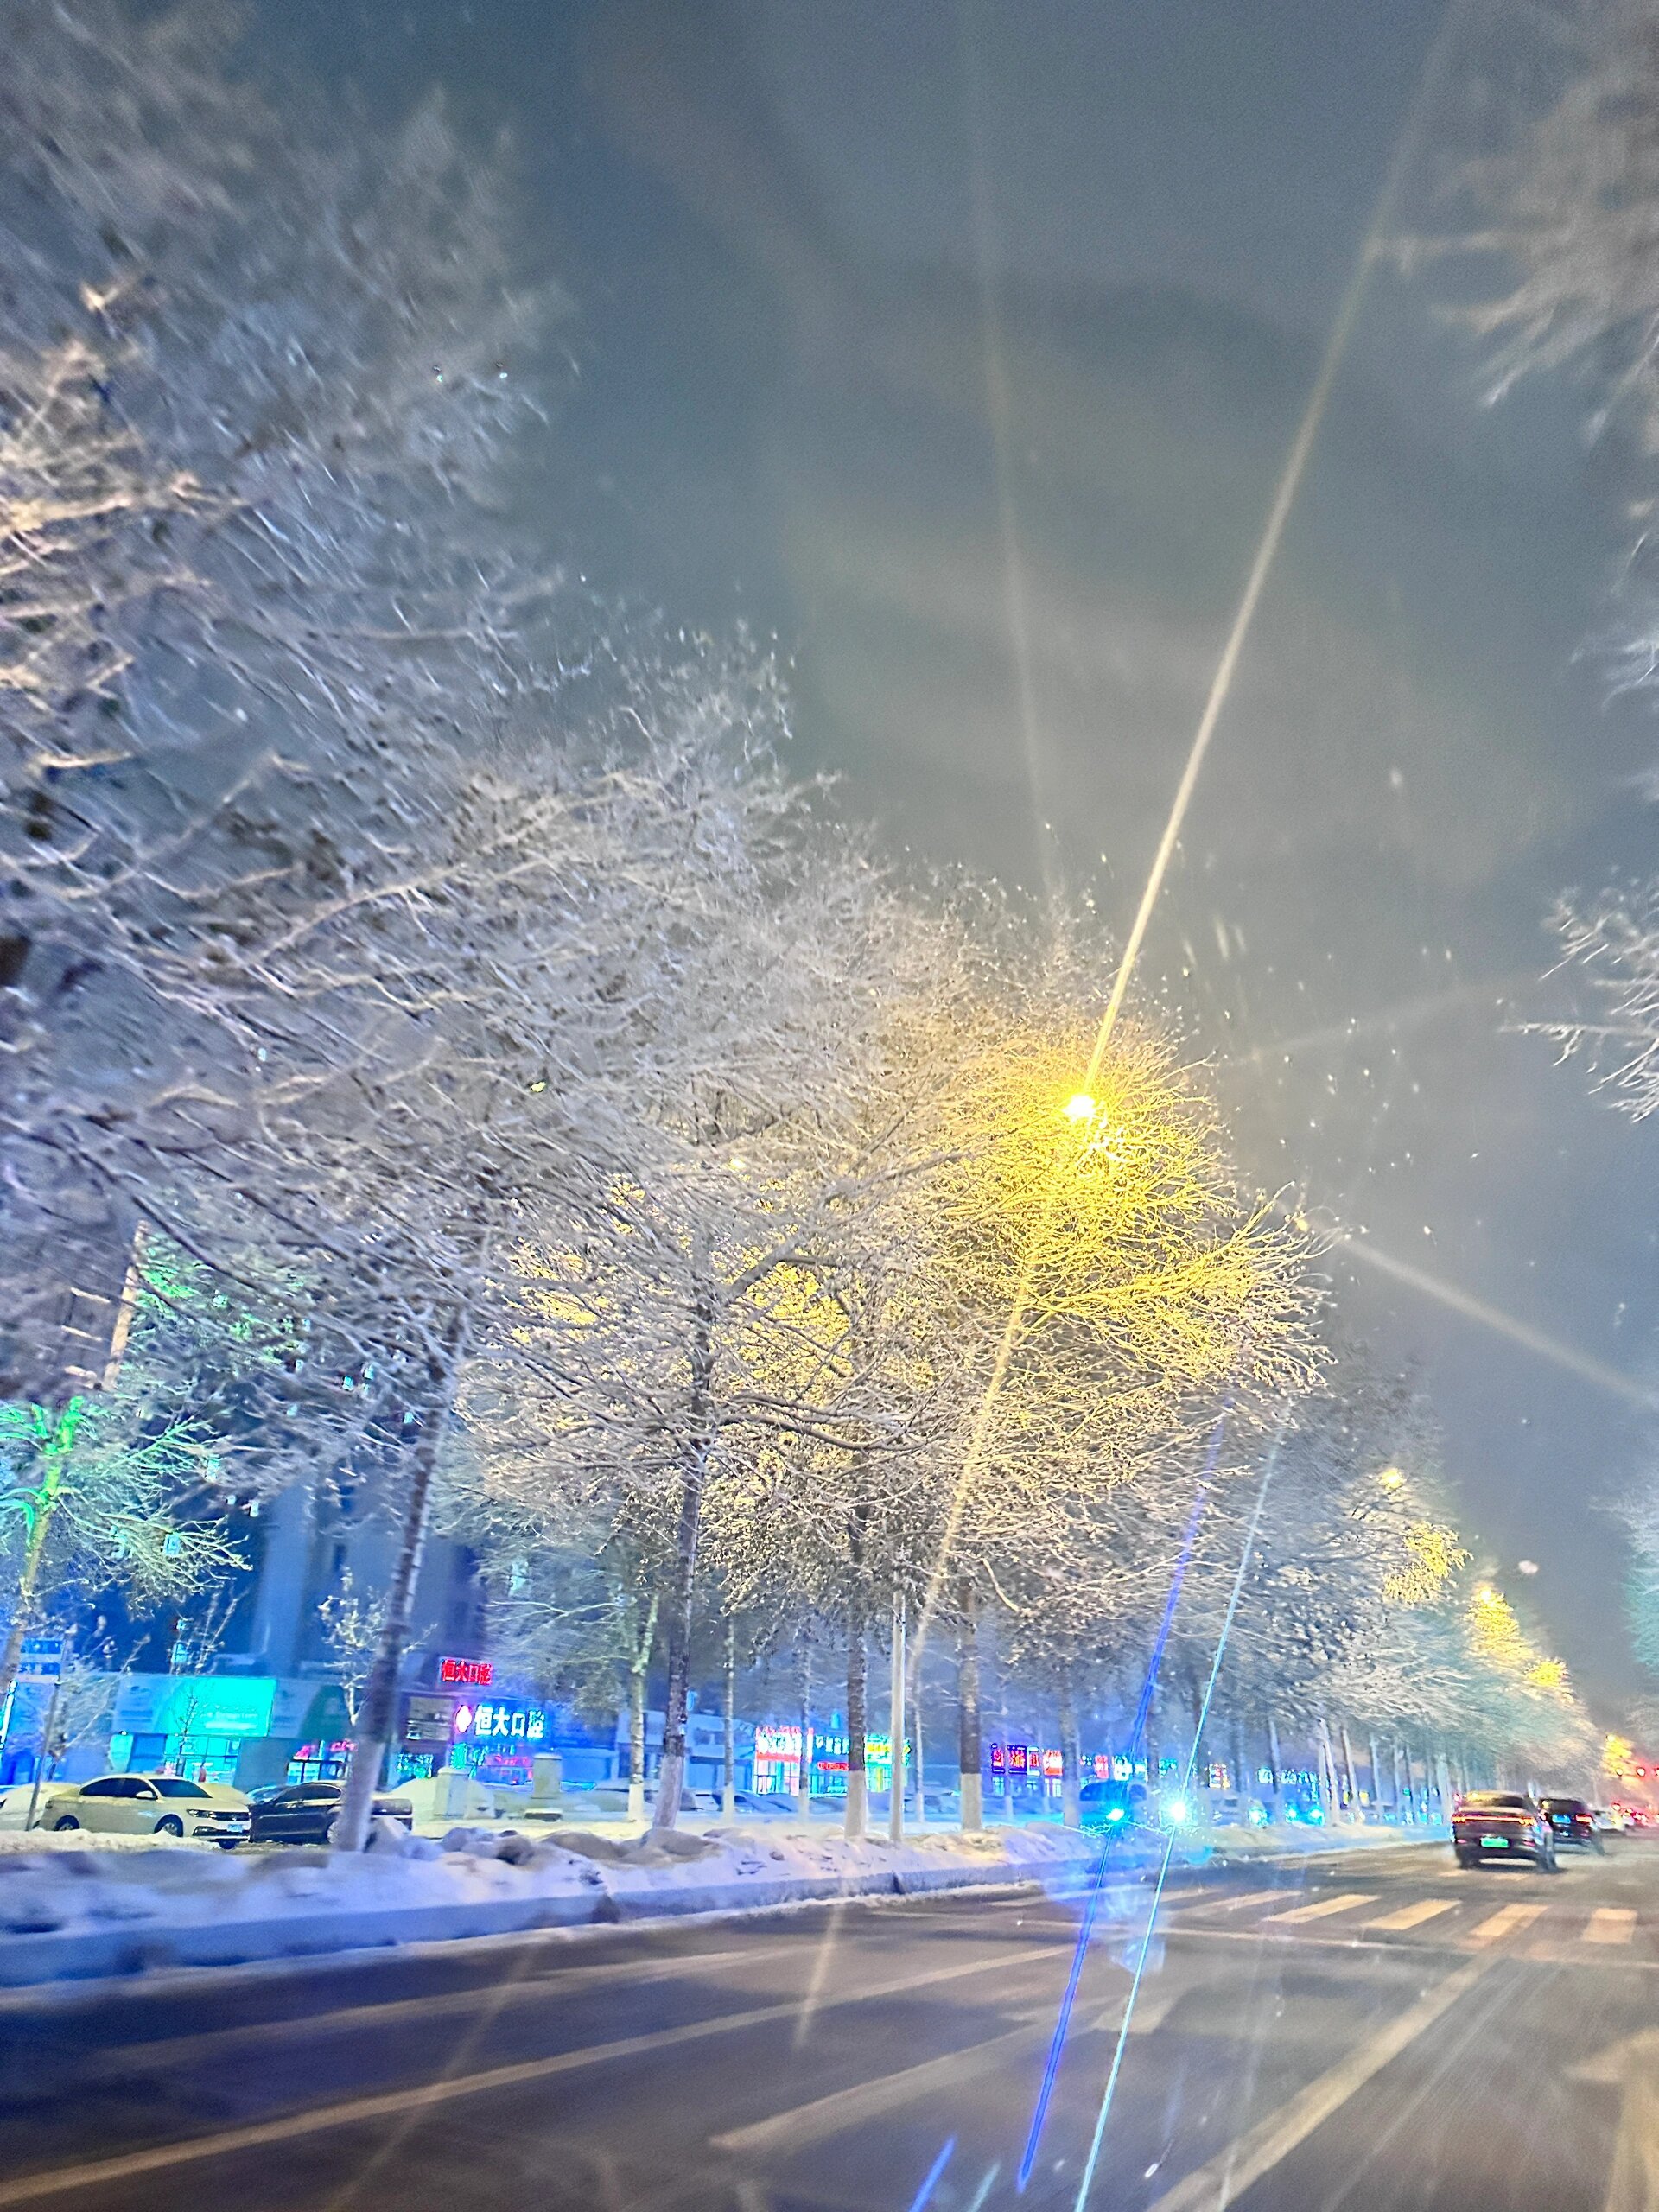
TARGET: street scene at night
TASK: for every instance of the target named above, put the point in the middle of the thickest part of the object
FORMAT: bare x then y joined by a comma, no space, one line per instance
828,1037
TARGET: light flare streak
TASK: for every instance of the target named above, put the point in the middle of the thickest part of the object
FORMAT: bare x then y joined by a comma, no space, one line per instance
1086,2182
1290,479
935,2174
1098,1882
1581,1363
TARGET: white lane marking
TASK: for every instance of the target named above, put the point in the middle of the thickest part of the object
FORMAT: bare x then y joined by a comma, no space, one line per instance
1506,1922
1344,1902
1610,1923
824,2116
389,2104
844,2108
1221,2181
347,2019
1413,1916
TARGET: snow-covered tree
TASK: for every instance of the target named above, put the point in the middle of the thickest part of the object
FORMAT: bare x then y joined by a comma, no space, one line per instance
124,1488
696,1312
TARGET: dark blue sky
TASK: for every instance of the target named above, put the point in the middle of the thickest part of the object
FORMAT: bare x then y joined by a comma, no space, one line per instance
788,283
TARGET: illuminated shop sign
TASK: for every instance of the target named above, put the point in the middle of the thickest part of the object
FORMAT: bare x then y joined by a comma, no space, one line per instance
1043,1761
494,1720
784,1742
466,1673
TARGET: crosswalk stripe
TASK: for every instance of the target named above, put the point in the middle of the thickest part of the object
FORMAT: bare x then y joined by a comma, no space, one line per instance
1506,1922
1248,1897
1610,1923
1344,1902
1413,1915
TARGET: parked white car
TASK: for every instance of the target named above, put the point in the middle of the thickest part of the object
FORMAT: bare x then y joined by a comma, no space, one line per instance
148,1804
14,1804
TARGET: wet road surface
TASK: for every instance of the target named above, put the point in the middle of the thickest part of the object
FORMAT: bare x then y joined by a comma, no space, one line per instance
1376,2031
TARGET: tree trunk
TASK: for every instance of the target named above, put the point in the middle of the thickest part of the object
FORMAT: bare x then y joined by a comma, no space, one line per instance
55,1459
373,1735
728,1732
1402,1811
914,1768
1071,1781
1376,1777
1330,1791
639,1680
856,1817
1276,1760
670,1774
896,1729
970,1784
1348,1768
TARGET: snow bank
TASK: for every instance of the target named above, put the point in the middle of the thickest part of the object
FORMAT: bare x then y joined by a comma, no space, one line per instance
67,1912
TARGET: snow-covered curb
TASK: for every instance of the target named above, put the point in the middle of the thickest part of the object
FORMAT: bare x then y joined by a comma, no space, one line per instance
66,1915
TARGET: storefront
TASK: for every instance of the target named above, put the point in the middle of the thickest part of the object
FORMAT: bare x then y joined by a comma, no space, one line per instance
778,1761
245,1729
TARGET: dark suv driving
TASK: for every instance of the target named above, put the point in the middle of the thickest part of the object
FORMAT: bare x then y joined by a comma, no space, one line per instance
1497,1824
1571,1821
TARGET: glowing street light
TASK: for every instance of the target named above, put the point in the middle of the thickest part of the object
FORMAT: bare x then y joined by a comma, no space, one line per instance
1080,1106
1391,1478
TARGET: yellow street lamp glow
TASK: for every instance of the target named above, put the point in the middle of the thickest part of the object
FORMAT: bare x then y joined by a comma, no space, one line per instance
1391,1479
1486,1595
1080,1106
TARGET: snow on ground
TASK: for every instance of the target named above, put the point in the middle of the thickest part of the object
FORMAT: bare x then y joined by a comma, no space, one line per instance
75,1884
60,1885
38,1840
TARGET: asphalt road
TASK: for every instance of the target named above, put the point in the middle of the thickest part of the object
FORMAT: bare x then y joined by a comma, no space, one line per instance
1378,2032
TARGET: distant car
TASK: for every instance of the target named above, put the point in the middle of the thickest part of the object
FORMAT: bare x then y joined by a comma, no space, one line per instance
608,1801
1501,1825
1301,1808
1106,1806
148,1804
764,1804
1573,1821
1233,1809
306,1812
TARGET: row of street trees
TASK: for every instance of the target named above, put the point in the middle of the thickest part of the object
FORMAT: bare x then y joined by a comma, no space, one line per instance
491,1073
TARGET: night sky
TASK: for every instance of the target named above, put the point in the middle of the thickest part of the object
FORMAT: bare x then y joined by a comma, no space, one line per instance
817,257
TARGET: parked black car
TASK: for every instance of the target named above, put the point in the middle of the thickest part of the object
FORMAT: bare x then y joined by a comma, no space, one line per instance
1573,1821
306,1812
